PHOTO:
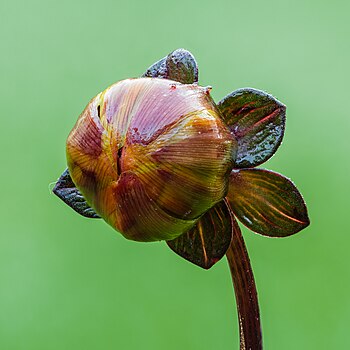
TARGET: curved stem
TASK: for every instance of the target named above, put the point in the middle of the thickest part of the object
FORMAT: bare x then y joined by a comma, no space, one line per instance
245,291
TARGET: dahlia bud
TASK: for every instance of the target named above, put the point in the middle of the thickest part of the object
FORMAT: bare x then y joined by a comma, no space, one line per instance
150,156
157,159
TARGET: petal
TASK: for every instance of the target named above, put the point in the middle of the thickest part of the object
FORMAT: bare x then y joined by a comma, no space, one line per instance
266,202
186,168
207,242
179,65
66,190
134,214
257,120
182,66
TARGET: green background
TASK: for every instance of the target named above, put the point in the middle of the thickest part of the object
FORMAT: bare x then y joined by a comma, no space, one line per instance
71,283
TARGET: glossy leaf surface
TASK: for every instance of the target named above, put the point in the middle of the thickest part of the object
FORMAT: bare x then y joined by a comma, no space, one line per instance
180,65
267,202
207,242
257,120
66,190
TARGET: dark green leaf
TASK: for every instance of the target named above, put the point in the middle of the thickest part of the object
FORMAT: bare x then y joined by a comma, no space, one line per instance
257,120
180,65
207,242
66,190
157,70
266,202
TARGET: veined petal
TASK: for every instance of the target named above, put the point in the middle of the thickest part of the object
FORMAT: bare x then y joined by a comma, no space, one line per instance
257,120
207,242
66,190
267,202
180,65
135,215
186,168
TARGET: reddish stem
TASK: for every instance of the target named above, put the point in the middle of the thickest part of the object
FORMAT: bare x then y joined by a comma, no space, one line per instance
245,291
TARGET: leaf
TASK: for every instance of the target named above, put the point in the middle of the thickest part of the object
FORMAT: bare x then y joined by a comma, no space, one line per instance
267,202
180,65
257,120
66,190
157,70
207,242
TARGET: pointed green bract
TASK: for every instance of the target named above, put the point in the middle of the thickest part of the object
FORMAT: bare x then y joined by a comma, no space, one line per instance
257,120
156,70
66,190
207,242
267,202
180,65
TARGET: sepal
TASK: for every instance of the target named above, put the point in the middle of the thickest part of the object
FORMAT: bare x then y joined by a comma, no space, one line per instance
66,190
257,120
180,65
267,202
207,242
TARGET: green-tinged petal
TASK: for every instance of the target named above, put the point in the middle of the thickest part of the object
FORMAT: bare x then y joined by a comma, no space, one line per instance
137,216
267,202
186,169
180,65
207,242
66,190
257,120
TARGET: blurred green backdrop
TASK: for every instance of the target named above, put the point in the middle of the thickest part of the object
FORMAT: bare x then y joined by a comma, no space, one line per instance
71,283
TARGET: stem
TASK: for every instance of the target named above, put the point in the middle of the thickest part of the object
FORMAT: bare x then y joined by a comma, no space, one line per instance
245,291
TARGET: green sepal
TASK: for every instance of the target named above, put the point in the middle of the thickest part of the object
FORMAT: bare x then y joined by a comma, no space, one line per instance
66,190
257,120
180,65
207,242
267,202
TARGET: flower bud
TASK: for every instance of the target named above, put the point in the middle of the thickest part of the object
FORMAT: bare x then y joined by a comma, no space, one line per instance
151,156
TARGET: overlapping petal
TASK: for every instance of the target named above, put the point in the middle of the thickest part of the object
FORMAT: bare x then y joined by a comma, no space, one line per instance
136,215
186,168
